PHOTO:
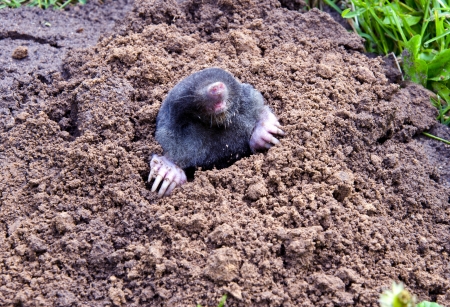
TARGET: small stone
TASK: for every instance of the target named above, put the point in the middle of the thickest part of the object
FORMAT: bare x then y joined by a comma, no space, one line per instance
223,264
117,296
369,208
20,53
63,222
37,245
23,116
325,71
376,160
257,190
235,290
223,234
391,160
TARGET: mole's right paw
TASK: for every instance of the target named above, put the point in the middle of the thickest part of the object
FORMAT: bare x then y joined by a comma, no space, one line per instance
263,135
162,169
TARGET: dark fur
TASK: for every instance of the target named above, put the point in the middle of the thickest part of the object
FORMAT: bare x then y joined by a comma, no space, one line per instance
192,138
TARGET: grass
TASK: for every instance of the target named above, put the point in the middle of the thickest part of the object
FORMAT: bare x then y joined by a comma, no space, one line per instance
43,4
416,32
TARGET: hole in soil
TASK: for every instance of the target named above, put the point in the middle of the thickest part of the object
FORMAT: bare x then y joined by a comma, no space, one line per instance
385,137
65,73
434,177
45,79
425,205
144,176
73,128
293,5
40,253
347,287
282,251
434,293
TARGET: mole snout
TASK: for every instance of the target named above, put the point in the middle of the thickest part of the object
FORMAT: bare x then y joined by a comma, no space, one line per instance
217,95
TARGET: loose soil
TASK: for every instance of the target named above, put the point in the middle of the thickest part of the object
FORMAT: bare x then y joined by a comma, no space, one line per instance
351,199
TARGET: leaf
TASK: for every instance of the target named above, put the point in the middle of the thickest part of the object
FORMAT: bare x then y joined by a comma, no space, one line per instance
427,55
440,65
428,304
222,301
442,90
415,69
410,20
349,14
413,45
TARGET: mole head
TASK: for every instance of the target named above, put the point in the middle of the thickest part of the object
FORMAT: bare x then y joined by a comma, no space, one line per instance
216,94
215,97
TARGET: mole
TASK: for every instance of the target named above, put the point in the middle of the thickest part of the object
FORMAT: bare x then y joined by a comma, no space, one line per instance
209,119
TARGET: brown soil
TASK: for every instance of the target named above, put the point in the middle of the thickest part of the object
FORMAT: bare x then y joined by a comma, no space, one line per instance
348,202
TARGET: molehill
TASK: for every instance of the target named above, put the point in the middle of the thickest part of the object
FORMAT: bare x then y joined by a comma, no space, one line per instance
346,203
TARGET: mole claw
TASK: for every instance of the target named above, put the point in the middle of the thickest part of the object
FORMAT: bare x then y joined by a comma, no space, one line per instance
150,176
281,132
171,187
274,141
163,188
156,183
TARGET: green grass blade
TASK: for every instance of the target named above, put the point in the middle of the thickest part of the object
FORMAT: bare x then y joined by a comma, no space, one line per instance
64,4
426,17
436,38
333,5
439,23
397,23
446,142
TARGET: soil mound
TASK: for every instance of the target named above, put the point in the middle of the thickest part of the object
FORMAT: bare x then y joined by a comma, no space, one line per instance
345,204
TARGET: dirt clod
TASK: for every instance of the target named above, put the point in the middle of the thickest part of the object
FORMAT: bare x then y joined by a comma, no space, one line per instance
20,53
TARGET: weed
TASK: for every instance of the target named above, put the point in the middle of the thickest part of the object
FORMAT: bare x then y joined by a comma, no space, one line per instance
222,301
44,4
398,296
416,31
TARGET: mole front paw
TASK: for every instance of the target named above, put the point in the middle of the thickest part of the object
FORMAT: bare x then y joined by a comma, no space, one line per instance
263,136
165,171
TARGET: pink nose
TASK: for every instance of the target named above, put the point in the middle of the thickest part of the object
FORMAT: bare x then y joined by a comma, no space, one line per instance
216,89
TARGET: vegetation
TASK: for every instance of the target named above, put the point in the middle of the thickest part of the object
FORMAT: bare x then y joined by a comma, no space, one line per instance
416,31
223,299
398,296
43,4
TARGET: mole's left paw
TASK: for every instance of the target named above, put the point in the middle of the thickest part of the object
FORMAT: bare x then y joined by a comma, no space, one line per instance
162,169
263,134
